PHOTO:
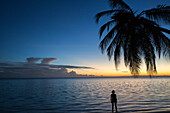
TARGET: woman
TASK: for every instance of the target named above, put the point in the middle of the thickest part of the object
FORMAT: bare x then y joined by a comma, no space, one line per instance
113,100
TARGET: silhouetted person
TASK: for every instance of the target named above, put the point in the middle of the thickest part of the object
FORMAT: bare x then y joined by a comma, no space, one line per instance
113,99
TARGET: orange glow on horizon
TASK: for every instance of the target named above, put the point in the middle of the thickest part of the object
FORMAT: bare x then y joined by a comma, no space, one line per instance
106,68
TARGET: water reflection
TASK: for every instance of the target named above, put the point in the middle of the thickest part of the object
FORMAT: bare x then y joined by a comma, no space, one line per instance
84,95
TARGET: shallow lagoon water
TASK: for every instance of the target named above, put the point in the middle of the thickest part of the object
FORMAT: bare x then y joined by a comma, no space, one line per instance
84,95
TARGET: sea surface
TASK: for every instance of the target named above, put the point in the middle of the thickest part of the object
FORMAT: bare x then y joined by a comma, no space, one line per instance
84,95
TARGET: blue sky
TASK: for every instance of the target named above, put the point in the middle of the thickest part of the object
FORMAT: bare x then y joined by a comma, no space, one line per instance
64,29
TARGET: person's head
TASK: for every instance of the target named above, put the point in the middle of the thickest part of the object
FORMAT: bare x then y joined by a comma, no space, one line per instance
113,91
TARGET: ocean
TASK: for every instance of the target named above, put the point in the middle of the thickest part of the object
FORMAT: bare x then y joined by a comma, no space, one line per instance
82,95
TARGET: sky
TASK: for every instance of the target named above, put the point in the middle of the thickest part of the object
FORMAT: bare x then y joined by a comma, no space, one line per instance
65,30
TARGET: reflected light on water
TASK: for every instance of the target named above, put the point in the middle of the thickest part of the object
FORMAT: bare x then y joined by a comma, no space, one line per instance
84,95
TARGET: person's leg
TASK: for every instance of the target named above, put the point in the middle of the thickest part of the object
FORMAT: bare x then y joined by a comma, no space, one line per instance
116,106
112,107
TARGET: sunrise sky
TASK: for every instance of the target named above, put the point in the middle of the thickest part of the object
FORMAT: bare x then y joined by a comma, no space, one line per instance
63,29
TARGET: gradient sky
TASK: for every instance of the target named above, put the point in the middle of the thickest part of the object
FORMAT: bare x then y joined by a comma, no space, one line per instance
63,29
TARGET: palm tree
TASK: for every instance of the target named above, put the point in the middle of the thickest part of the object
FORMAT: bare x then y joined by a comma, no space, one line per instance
134,35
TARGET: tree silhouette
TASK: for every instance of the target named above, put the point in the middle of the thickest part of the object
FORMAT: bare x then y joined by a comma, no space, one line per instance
135,35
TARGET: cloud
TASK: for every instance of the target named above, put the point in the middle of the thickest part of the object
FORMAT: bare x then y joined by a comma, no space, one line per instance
5,64
48,60
32,60
38,70
68,66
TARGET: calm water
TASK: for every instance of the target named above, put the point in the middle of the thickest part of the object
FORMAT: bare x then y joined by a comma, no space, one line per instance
84,95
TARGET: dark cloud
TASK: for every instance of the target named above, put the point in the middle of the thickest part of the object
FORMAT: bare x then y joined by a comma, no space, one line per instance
36,73
68,66
30,66
5,64
32,60
48,60
34,70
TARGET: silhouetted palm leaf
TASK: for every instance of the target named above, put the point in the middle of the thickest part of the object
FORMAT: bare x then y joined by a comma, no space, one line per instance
159,14
135,36
119,4
104,13
107,25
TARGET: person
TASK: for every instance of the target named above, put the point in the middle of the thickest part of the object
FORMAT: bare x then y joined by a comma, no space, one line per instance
113,99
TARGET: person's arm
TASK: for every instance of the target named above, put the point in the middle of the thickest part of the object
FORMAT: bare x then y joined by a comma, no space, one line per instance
110,98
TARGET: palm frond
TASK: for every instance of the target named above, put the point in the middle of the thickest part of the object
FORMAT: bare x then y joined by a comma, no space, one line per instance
106,40
164,30
115,42
134,56
107,25
134,59
149,56
160,40
117,55
159,14
120,4
105,13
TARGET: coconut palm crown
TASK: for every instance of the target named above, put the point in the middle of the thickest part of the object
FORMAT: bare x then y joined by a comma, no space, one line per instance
134,35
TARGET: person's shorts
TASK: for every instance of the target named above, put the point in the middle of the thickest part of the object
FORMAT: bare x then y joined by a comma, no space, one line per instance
113,101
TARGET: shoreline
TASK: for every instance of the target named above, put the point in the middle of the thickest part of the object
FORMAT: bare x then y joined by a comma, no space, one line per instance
88,77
